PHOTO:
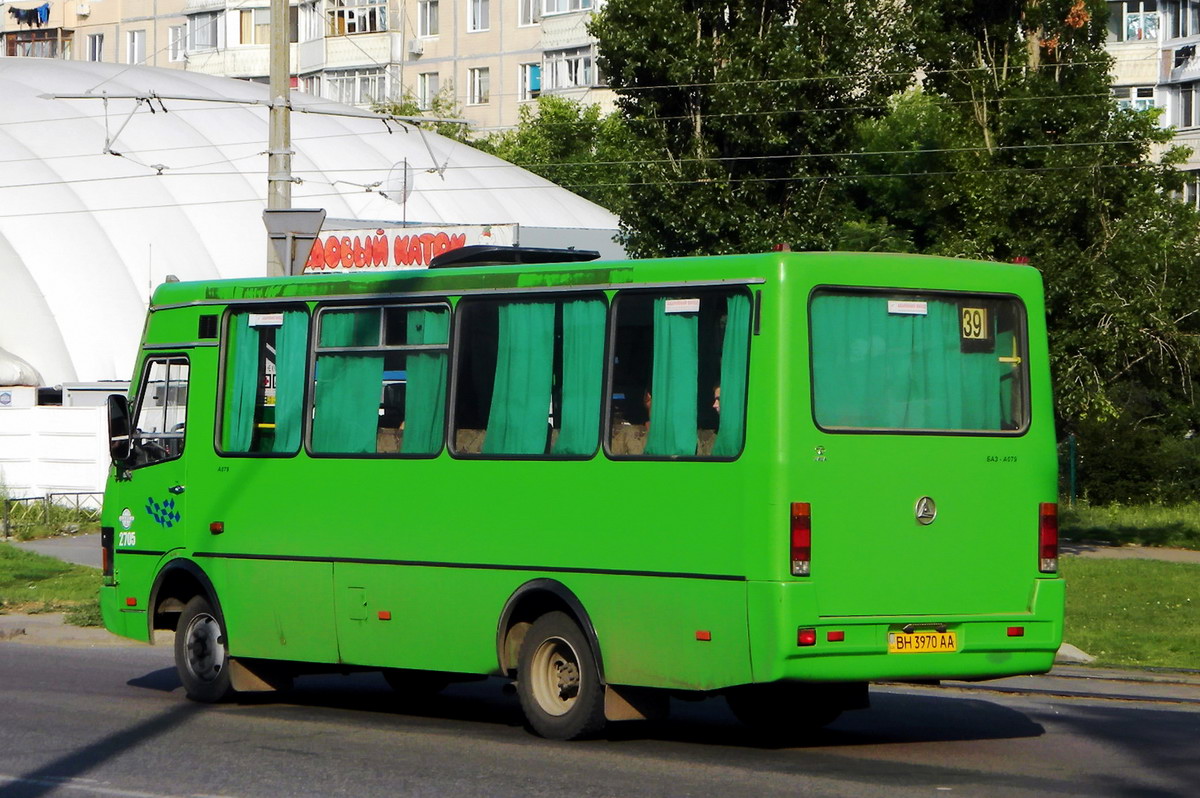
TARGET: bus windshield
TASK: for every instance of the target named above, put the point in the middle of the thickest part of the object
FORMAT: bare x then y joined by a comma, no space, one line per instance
918,362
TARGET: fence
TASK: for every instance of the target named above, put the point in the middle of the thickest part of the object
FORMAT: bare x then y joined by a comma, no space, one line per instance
53,513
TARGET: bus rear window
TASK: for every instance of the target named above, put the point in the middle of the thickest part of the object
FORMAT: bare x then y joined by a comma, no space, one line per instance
918,362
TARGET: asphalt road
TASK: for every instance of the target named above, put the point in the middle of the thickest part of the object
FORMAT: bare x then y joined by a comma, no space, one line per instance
112,722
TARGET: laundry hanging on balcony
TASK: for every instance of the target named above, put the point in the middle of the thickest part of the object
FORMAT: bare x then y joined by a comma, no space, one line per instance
32,16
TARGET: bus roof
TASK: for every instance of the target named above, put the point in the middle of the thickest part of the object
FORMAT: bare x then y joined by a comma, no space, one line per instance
856,268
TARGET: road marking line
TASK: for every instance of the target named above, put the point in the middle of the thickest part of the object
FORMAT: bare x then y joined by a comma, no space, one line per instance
87,785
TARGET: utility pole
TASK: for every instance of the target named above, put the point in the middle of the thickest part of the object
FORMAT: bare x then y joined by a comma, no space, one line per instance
279,144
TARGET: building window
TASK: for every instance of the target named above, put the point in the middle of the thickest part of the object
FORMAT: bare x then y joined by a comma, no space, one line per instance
311,84
309,23
34,44
428,86
95,47
255,26
570,69
355,86
176,42
477,15
135,47
204,31
565,6
1191,188
1134,98
531,82
1132,21
1187,116
478,85
1185,18
527,12
427,18
357,16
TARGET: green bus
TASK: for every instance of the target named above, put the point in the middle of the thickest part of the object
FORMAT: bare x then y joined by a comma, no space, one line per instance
774,477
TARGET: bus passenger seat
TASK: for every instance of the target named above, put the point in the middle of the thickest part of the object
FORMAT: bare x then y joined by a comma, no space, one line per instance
469,441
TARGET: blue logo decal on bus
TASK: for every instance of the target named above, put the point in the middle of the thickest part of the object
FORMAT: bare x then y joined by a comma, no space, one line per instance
163,514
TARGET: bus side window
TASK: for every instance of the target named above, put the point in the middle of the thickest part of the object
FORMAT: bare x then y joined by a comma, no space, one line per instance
263,398
380,380
678,375
528,377
162,412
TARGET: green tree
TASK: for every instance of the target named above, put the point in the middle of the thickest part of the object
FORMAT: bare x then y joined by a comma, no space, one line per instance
1016,149
572,144
745,110
441,106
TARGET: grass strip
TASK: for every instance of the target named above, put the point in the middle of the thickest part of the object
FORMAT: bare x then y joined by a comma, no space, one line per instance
1175,526
33,583
1134,613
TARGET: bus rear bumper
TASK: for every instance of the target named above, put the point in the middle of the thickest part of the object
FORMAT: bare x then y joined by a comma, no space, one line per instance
856,648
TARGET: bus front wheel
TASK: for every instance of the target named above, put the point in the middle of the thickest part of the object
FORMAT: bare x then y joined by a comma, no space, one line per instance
201,656
558,682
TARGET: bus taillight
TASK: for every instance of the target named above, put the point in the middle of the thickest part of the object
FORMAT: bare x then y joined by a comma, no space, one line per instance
1048,538
801,529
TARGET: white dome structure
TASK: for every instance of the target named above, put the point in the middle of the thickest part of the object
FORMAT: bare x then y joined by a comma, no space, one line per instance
102,197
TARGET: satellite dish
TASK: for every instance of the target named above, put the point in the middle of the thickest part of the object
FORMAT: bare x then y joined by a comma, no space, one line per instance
399,184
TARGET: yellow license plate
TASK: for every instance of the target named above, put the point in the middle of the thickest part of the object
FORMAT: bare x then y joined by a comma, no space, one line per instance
922,642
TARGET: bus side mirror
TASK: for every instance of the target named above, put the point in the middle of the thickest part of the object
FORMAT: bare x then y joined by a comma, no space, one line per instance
120,443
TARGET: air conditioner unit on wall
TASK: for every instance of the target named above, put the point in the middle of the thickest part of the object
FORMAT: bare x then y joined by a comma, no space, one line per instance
82,10
415,46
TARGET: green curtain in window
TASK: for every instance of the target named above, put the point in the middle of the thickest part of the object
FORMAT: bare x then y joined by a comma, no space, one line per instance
425,392
524,368
583,355
735,350
898,371
241,379
348,386
291,349
673,383
1005,348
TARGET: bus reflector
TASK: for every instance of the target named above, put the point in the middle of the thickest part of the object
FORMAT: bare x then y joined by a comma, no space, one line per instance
1048,538
703,635
801,530
130,601
835,637
806,637
1016,631
385,615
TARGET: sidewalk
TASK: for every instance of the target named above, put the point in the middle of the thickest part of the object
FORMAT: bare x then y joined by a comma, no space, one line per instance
1086,548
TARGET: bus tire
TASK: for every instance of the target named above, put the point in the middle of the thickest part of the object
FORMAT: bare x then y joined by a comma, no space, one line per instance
783,710
558,682
201,653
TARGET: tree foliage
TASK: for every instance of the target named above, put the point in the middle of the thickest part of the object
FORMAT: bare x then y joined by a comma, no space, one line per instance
745,108
441,106
572,144
969,128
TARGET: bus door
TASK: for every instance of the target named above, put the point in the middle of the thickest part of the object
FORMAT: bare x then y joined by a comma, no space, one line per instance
151,482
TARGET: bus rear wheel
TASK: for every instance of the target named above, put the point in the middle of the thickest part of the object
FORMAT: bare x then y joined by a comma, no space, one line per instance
201,656
558,682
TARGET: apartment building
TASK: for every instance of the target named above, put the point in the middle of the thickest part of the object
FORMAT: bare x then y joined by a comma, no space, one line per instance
1154,44
488,56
